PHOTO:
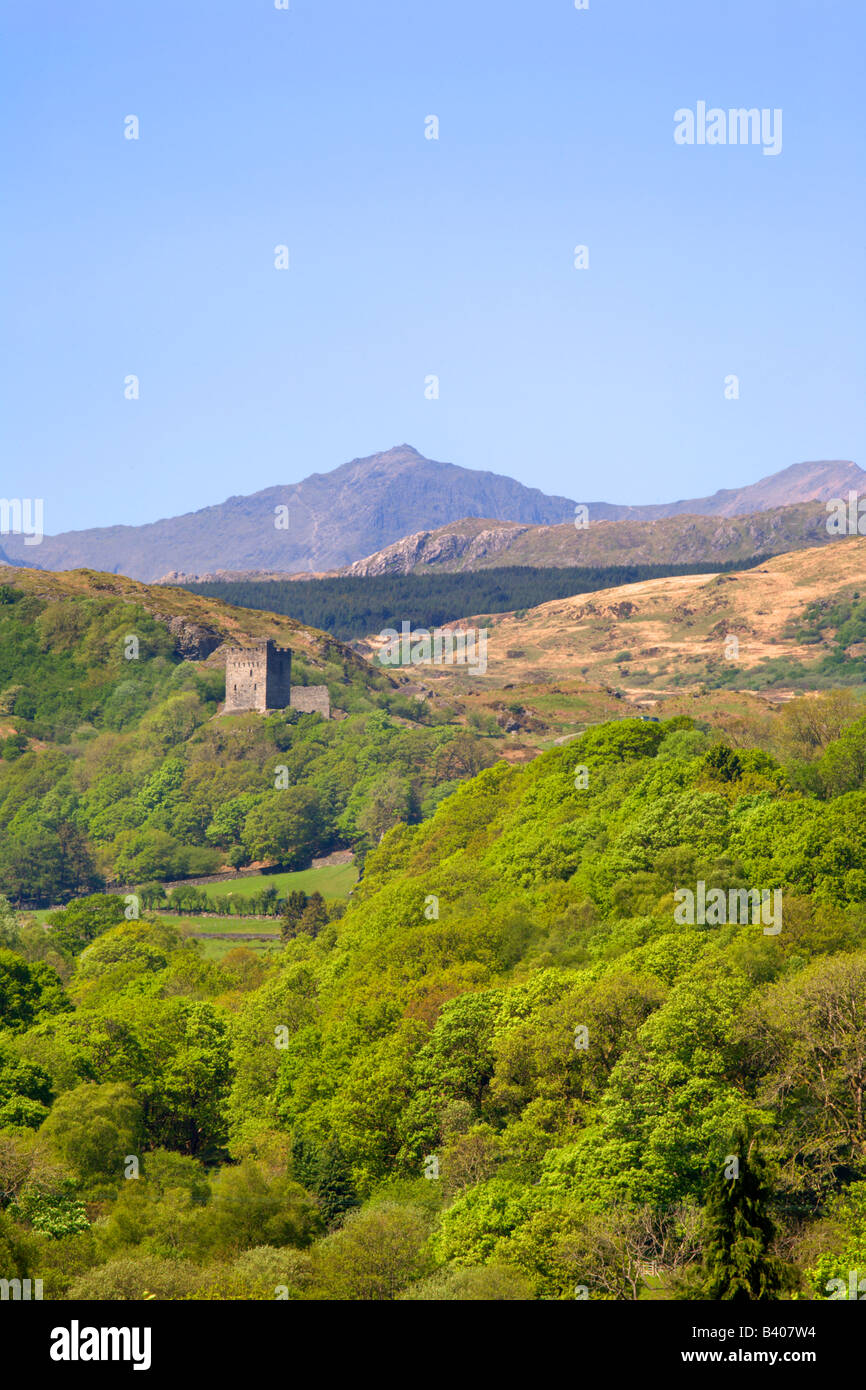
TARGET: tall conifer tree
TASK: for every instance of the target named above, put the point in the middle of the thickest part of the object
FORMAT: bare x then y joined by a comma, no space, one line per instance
739,1231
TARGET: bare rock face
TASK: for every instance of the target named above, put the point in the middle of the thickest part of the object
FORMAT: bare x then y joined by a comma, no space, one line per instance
619,610
721,630
193,641
466,543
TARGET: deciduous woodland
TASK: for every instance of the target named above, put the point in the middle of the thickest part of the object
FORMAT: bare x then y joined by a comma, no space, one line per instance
501,1069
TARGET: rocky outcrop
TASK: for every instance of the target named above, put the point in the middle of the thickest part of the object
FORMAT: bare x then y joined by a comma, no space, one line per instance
472,543
193,641
438,548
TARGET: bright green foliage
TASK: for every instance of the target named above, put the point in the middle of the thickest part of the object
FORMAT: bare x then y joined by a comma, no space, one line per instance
94,1128
840,1271
507,1070
25,1089
28,992
82,921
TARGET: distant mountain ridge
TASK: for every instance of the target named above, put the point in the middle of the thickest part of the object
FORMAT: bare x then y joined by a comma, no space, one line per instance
801,482
480,544
333,519
682,539
336,519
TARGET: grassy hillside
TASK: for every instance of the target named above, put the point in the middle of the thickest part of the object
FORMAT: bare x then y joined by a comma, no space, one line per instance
797,621
188,613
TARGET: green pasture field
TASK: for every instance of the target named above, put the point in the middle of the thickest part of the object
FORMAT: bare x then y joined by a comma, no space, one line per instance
332,881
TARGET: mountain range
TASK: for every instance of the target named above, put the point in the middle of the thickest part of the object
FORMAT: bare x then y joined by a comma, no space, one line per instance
333,520
801,482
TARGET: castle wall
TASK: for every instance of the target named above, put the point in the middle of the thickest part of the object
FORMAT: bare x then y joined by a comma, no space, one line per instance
312,699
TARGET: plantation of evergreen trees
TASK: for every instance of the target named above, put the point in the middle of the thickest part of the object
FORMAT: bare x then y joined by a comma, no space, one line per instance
358,607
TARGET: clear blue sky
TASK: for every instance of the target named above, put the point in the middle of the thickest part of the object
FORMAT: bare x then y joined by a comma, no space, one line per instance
412,257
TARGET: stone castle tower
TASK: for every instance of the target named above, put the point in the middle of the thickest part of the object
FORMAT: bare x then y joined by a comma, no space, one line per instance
259,677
